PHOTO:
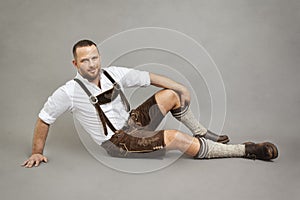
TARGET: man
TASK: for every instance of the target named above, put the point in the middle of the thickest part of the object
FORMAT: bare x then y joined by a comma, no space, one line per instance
132,134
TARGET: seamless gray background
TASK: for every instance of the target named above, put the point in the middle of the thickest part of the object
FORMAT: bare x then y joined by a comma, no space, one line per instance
255,44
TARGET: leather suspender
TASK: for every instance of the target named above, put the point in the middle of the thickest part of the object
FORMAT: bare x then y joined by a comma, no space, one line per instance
117,87
94,101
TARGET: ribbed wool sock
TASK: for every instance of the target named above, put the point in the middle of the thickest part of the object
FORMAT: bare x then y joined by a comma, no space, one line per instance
185,115
211,149
219,150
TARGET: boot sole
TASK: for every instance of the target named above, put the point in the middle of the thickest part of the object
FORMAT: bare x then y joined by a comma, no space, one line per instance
224,141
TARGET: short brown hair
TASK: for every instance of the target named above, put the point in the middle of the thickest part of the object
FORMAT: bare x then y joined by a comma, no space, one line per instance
82,43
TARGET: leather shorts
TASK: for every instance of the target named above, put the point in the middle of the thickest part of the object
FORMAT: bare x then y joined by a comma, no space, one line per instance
138,138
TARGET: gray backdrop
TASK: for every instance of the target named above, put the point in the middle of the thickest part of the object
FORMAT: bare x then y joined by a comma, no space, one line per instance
255,44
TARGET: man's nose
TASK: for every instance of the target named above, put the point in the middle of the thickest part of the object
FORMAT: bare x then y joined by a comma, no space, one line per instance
92,63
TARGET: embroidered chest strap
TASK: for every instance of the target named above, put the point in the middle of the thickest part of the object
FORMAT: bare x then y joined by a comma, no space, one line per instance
94,101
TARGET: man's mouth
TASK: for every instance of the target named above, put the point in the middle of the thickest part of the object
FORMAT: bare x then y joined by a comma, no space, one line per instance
92,70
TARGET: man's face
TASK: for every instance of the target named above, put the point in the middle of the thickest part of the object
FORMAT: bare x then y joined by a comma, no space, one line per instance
87,62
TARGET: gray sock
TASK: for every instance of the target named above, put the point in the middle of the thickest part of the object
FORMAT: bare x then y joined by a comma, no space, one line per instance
203,148
219,150
185,115
211,149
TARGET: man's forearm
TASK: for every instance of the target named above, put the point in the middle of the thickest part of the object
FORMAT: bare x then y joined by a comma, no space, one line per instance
164,82
40,136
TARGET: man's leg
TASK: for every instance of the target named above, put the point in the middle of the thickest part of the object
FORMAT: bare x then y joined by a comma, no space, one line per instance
175,140
168,100
149,114
201,148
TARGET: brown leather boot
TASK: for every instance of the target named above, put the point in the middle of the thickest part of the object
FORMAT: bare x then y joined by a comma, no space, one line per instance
262,151
216,138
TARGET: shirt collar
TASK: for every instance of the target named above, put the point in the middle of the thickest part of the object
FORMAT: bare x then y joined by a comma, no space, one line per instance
86,82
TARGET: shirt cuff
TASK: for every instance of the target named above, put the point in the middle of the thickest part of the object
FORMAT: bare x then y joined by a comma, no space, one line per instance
146,78
46,117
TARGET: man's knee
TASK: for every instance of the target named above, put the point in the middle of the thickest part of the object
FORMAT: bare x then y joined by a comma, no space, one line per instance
172,94
170,136
168,96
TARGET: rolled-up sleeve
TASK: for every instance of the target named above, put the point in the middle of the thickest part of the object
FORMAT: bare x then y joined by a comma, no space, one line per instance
58,103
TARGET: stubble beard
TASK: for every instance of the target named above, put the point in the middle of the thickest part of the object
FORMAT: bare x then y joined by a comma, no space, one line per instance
91,77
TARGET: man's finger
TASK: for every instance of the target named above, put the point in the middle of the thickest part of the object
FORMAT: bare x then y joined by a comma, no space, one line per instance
30,163
182,102
45,159
27,164
24,163
37,163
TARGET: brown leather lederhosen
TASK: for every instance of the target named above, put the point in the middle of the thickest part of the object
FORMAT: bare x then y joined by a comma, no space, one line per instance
138,137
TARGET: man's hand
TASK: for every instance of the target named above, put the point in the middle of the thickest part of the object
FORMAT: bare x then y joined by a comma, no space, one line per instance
34,160
185,96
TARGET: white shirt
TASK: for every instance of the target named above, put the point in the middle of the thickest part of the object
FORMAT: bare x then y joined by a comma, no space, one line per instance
71,97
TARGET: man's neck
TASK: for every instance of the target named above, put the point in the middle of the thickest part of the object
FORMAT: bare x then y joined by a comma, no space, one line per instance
96,82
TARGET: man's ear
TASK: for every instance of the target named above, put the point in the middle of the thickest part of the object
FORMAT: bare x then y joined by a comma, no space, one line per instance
74,63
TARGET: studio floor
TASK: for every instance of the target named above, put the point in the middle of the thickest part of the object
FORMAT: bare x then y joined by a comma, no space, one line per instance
73,173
